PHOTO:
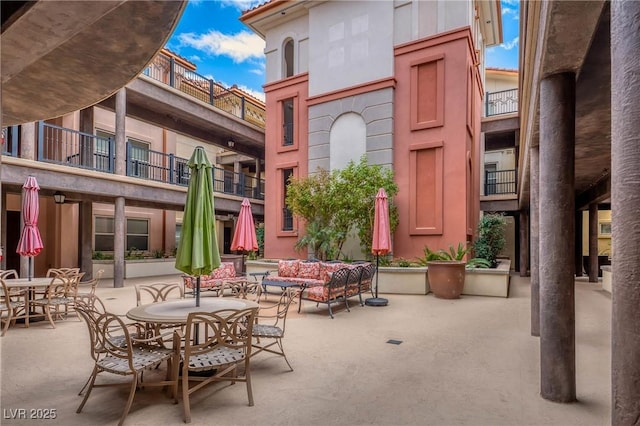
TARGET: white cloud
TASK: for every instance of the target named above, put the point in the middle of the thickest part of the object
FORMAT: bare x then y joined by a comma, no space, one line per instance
257,71
511,2
510,44
239,47
195,58
242,5
258,94
507,11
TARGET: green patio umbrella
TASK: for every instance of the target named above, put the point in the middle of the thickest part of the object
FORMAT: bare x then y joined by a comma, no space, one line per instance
198,252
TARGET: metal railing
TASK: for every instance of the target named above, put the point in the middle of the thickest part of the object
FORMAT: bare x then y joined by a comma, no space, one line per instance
500,182
166,70
68,147
10,137
287,219
503,102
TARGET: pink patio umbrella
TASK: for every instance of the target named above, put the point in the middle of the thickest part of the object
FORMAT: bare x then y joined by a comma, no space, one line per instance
381,243
244,237
30,243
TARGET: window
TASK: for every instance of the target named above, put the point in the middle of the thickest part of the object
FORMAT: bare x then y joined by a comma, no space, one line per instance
490,178
604,228
138,159
137,234
287,216
178,233
101,150
287,122
288,58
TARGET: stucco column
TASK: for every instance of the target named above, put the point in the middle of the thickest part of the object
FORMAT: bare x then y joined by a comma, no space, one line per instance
121,148
258,173
534,209
625,204
524,243
86,144
119,237
593,243
237,189
85,237
557,215
28,141
3,229
578,244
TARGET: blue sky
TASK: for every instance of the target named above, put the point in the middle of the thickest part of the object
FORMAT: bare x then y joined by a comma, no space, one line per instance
210,35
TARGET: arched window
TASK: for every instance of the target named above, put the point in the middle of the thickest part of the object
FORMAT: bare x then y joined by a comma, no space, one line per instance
287,64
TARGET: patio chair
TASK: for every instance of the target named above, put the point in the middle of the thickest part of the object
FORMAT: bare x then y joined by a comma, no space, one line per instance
226,347
157,292
56,294
115,351
8,273
270,325
86,289
9,303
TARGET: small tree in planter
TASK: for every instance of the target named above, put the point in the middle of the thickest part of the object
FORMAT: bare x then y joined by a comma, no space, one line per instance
491,240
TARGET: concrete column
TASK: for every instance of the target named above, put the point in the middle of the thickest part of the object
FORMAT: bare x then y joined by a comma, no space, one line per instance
557,215
119,239
524,243
625,204
24,260
534,210
258,173
593,243
86,143
85,237
28,141
236,178
578,244
3,229
121,147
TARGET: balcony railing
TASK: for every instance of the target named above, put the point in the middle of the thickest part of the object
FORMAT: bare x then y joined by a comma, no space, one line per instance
500,182
10,141
68,147
504,102
166,70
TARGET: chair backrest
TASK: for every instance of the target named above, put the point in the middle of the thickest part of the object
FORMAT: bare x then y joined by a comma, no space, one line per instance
58,288
109,337
8,273
368,271
224,329
157,292
54,272
92,283
278,312
5,297
339,278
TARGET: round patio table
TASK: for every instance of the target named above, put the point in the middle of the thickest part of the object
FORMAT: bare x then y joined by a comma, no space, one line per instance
30,285
177,311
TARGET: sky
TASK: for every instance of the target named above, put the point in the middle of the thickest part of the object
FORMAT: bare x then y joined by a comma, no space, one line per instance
211,36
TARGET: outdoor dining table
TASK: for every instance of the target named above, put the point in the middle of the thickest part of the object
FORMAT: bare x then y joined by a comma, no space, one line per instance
177,311
30,285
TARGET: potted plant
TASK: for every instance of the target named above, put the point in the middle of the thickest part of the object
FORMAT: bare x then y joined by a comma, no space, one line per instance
446,270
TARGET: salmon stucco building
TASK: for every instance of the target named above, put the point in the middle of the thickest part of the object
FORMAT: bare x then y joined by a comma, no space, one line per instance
398,81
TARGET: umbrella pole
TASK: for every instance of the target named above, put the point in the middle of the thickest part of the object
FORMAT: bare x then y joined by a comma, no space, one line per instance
376,301
29,274
198,291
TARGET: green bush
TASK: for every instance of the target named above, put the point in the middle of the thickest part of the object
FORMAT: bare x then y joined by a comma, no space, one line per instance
491,240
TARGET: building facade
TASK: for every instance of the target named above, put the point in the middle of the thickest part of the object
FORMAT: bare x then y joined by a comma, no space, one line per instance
400,82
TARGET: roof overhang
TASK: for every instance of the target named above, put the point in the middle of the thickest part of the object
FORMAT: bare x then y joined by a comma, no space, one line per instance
490,15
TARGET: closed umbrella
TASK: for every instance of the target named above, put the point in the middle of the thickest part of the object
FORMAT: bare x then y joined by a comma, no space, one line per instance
30,243
244,237
381,243
198,252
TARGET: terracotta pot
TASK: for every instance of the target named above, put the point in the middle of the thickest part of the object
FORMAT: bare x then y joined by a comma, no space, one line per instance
446,278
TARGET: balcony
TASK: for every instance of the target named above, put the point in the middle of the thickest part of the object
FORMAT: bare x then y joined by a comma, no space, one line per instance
503,102
500,182
167,70
67,147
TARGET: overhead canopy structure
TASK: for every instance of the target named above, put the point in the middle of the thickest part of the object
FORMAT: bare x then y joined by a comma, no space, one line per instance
61,56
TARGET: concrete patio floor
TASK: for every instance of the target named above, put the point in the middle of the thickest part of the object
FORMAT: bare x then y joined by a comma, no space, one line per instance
468,361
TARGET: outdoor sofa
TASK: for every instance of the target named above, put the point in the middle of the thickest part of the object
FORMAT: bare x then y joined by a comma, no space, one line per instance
215,281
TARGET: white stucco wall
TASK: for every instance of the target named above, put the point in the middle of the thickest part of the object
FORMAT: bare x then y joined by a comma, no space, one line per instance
352,44
347,140
505,159
297,30
499,81
419,19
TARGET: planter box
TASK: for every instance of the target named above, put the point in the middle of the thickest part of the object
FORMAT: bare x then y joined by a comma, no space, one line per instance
139,268
606,278
396,280
255,266
488,282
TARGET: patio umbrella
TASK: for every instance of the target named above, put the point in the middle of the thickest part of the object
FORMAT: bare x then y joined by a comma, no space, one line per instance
30,243
381,243
244,237
198,252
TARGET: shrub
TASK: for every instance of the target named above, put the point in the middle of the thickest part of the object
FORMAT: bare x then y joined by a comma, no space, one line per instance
490,241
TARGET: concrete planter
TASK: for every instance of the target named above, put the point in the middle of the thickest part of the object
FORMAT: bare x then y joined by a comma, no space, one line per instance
262,265
397,280
606,278
488,282
139,267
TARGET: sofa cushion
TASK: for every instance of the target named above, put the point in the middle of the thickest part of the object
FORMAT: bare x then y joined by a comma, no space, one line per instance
288,268
323,294
226,270
309,270
326,269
